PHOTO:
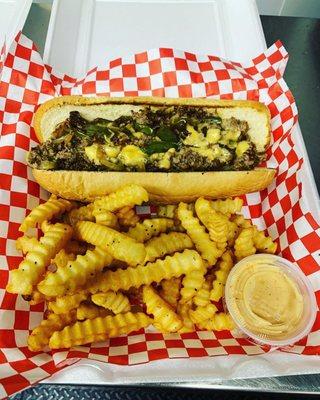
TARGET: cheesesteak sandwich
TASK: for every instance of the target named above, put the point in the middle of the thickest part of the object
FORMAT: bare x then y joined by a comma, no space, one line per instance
178,149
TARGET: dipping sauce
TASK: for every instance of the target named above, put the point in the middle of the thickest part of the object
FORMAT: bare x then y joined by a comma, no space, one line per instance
265,299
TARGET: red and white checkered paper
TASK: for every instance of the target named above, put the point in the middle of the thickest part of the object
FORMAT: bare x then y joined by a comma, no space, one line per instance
26,82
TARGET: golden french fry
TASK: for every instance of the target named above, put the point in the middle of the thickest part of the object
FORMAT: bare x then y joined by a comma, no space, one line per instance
150,227
129,195
119,245
62,258
241,221
99,328
117,302
167,243
63,304
170,291
74,274
84,213
263,243
170,267
219,322
89,311
45,226
216,222
26,243
167,211
39,337
106,218
201,314
202,297
31,269
198,235
191,283
227,206
224,267
127,216
45,211
162,312
183,311
244,244
34,298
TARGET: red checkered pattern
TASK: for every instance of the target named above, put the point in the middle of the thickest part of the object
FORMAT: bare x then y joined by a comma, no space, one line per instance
27,82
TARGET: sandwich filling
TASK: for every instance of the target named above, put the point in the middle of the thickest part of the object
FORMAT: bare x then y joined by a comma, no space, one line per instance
164,139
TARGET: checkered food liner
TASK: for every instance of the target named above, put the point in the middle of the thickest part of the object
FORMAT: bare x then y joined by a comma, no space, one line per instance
27,82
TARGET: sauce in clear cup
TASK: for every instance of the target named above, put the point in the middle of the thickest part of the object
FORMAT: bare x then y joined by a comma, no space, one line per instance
270,300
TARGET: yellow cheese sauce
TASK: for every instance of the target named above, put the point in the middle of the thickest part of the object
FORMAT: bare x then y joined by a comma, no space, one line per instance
265,300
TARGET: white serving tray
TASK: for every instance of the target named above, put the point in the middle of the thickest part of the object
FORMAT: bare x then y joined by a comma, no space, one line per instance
86,33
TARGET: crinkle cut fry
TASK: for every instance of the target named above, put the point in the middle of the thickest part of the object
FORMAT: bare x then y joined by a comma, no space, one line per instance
170,267
162,312
39,337
83,332
32,268
129,195
45,211
119,245
63,304
149,228
73,275
117,302
167,243
198,235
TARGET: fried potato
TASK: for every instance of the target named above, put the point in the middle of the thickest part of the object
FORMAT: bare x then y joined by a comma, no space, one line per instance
26,243
119,245
99,328
115,302
227,206
216,222
31,269
127,216
162,312
45,211
244,244
263,243
39,337
63,304
219,322
167,243
74,274
84,213
106,218
62,258
191,283
224,267
201,314
183,310
90,311
129,195
170,291
170,267
198,235
202,297
149,228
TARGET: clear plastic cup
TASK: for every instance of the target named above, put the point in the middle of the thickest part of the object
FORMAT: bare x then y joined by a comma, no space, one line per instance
303,285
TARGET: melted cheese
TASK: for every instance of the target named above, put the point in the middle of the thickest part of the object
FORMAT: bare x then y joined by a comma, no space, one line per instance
132,156
93,152
165,161
213,135
242,147
110,151
195,138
